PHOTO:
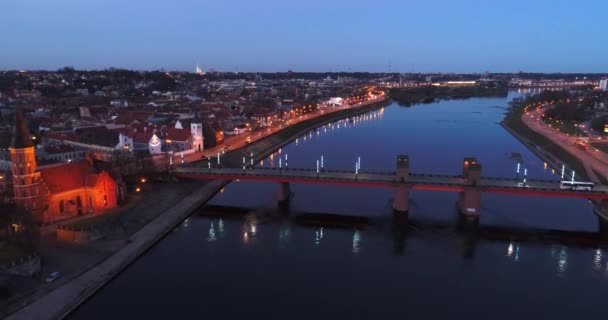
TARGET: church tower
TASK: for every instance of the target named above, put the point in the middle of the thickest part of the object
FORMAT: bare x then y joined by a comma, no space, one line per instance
26,179
196,127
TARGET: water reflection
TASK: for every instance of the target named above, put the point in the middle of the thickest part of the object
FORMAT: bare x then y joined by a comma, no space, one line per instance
597,260
339,125
513,251
249,229
284,234
211,237
561,257
447,134
318,236
356,241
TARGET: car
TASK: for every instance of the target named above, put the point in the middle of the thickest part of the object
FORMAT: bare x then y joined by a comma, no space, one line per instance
53,276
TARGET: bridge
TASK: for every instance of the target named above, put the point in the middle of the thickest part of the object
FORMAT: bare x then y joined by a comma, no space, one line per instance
470,184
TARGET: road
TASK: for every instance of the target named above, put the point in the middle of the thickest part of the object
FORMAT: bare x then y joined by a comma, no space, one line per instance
592,159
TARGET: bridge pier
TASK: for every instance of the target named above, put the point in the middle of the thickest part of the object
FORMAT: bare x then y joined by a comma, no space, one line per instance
402,191
399,231
469,200
601,211
283,195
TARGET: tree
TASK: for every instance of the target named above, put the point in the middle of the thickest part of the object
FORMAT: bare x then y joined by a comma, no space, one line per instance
22,228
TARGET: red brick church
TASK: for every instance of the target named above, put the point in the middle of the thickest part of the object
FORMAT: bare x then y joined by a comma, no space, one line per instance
56,192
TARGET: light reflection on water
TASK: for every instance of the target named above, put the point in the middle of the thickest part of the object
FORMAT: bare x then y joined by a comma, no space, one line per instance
271,269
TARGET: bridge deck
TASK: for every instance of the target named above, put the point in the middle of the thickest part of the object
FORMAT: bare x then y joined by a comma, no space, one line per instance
388,180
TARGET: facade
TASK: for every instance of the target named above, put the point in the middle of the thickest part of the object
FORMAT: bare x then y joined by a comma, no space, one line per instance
603,84
58,192
155,145
335,101
197,133
27,185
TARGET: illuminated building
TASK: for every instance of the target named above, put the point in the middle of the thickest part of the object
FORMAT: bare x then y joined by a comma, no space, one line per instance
196,126
198,70
56,192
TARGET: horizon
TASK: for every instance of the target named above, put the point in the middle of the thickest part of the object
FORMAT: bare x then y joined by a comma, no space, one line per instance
271,36
111,69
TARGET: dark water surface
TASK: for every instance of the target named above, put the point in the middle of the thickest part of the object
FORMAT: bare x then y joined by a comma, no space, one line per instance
237,268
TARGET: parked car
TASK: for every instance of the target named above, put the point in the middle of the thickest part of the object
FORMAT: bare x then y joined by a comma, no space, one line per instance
53,276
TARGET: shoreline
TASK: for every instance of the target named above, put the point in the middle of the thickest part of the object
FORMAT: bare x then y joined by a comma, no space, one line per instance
541,146
530,139
61,301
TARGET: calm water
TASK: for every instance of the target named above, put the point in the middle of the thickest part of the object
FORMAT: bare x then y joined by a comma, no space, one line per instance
271,268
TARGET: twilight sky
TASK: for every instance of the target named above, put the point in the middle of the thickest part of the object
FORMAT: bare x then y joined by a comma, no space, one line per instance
307,35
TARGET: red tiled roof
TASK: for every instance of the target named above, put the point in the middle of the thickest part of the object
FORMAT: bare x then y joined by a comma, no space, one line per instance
61,135
128,117
142,137
59,148
176,134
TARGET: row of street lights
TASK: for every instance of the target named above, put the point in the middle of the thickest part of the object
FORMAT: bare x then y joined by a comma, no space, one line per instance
563,172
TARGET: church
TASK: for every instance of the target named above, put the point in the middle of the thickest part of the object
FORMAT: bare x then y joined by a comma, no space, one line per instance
57,192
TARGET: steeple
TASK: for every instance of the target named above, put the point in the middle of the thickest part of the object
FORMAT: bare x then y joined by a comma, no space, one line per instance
21,135
196,118
28,193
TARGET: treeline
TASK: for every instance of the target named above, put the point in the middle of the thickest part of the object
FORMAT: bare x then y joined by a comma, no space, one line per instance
408,96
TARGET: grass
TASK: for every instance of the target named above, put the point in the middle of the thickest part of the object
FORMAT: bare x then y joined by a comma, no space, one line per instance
565,127
94,222
514,122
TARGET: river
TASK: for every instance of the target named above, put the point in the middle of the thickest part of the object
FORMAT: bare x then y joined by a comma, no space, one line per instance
263,267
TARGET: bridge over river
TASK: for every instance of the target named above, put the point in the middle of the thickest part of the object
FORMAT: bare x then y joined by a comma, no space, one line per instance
470,184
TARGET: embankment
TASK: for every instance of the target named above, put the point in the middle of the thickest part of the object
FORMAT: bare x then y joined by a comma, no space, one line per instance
541,146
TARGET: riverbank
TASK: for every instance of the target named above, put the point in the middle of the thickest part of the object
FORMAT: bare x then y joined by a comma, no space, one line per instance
428,94
61,301
553,154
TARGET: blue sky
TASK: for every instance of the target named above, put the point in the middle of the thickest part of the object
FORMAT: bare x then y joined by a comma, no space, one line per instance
312,35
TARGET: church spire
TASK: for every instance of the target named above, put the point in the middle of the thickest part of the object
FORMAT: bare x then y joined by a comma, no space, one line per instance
21,136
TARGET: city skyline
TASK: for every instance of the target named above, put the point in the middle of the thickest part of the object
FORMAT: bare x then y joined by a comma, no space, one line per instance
271,36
